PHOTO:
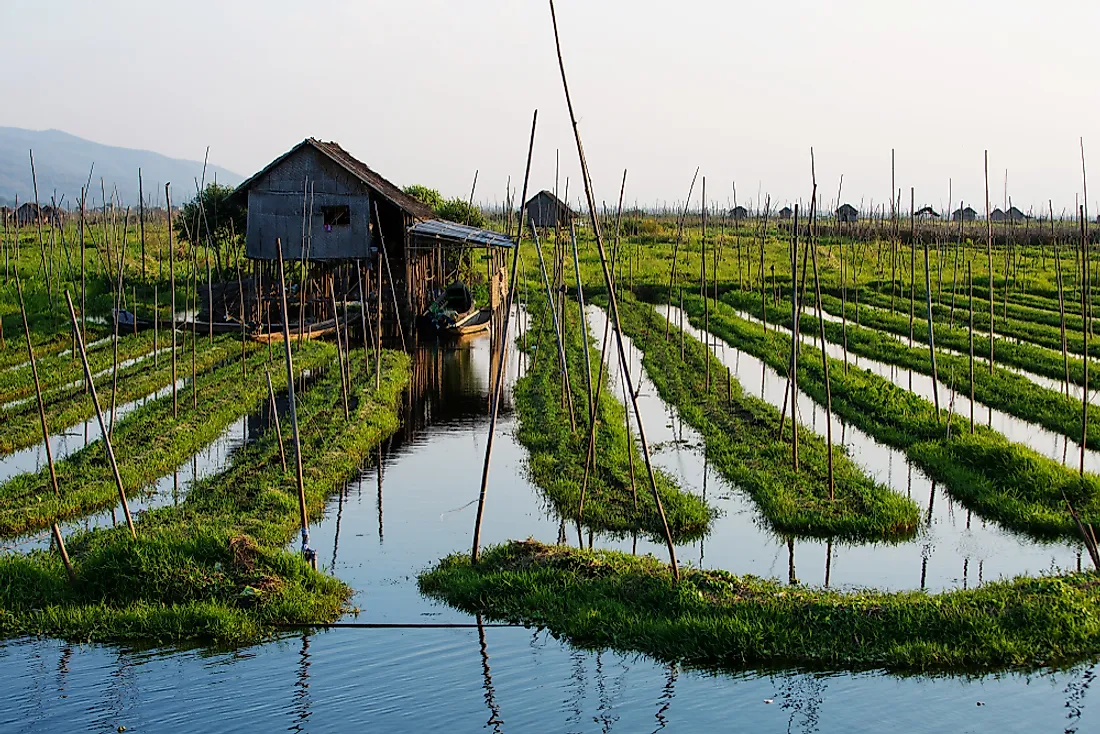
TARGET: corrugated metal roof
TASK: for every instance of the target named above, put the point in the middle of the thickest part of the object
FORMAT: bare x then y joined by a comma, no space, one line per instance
460,234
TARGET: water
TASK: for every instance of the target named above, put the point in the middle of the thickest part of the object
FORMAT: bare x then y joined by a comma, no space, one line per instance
1048,443
385,528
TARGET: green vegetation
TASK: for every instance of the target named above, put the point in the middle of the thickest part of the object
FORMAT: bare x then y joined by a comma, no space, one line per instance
557,454
998,479
743,441
454,210
21,427
59,369
148,444
1003,390
215,568
715,619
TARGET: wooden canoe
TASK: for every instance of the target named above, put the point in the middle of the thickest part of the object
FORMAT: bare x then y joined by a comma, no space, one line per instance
474,322
310,331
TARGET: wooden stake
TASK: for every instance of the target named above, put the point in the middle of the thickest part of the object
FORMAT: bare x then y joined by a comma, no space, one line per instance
609,282
275,418
309,554
970,280
172,287
931,333
340,357
498,374
989,252
102,422
794,344
54,529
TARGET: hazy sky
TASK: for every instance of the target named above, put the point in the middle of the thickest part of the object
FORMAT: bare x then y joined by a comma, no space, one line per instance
428,91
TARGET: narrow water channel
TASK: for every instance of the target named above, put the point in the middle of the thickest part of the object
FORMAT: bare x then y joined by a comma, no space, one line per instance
388,525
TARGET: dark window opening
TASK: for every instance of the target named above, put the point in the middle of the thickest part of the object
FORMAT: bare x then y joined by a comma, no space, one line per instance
336,216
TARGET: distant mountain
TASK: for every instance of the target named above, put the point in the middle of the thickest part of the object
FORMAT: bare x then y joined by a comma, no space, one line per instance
62,161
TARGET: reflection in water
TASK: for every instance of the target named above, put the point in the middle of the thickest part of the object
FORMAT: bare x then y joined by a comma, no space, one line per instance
803,695
302,701
664,701
495,720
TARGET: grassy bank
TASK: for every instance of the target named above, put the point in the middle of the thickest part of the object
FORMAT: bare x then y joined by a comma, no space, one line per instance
148,444
215,568
1002,390
20,426
998,479
715,619
744,442
61,368
557,454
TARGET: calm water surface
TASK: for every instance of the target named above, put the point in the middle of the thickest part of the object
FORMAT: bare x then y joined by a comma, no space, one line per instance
388,525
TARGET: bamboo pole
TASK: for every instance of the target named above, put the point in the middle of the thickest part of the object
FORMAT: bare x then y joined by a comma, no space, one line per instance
340,358
172,288
102,422
609,282
38,221
763,238
989,253
389,276
824,364
970,280
584,325
568,388
931,333
54,529
363,312
498,374
679,235
141,220
275,418
1086,298
706,303
309,554
794,344
1061,296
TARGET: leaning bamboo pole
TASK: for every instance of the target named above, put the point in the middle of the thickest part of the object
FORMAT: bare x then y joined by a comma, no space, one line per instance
340,358
1061,297
172,287
970,304
989,254
568,388
931,333
676,243
55,531
307,552
612,299
102,422
824,366
793,379
498,374
1086,298
275,419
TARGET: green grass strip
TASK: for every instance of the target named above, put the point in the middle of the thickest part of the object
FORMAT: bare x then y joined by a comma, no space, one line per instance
214,569
1003,390
743,441
57,370
998,479
557,454
602,599
21,427
148,444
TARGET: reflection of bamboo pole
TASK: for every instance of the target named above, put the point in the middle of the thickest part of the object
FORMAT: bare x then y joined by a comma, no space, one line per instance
102,422
613,301
308,552
54,529
494,403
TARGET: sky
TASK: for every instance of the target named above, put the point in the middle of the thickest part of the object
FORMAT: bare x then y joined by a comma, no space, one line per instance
430,91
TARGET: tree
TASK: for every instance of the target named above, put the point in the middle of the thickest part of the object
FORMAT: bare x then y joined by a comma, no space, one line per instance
425,195
460,211
225,220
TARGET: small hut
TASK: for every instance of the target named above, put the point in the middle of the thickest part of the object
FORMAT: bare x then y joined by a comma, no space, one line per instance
927,213
1015,215
786,213
738,213
546,210
964,215
28,214
340,219
847,213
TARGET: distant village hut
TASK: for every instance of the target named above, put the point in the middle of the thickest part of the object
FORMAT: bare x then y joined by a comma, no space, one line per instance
28,214
546,210
998,215
1015,215
738,213
847,213
340,219
786,213
927,213
964,215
